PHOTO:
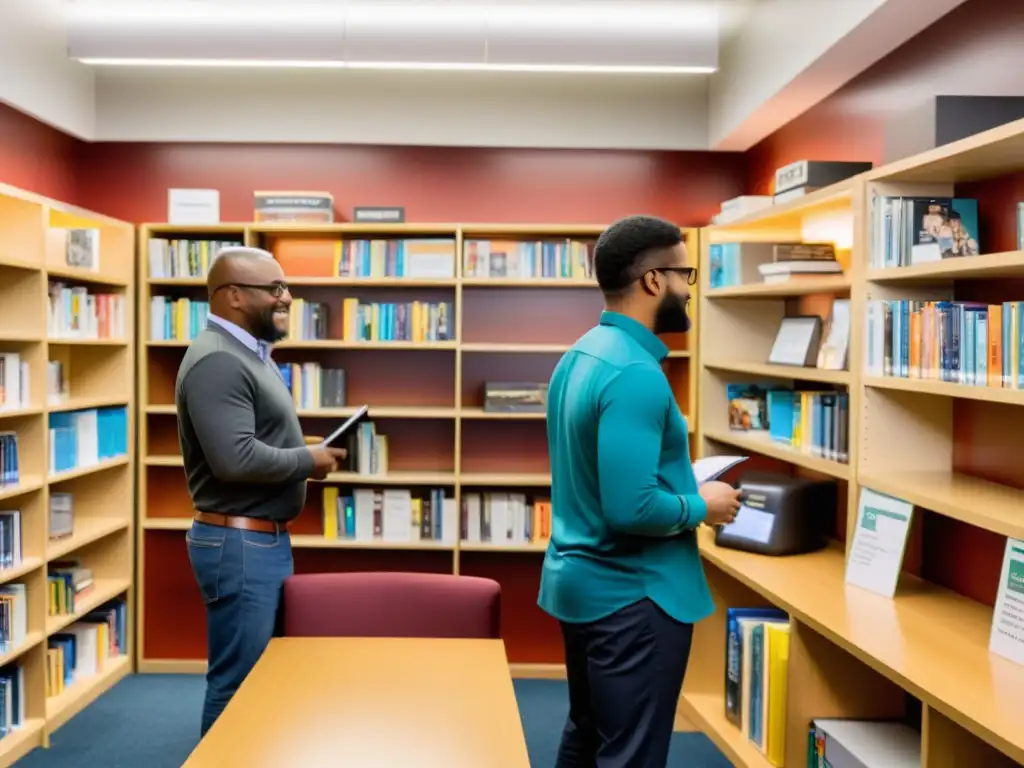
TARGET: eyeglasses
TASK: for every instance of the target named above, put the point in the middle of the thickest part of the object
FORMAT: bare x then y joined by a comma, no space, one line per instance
277,290
690,273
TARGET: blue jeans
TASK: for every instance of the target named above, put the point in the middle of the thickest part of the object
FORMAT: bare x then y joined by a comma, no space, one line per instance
240,575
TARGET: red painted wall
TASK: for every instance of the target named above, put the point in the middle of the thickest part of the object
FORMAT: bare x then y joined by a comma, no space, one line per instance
36,157
129,181
973,50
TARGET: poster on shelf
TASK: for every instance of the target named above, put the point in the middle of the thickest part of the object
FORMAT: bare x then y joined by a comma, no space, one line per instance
1007,638
879,541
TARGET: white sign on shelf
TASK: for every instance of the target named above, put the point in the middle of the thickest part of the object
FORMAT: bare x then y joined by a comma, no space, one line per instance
879,542
1007,638
193,206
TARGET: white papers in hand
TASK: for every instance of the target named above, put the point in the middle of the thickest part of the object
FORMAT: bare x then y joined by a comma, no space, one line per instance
713,467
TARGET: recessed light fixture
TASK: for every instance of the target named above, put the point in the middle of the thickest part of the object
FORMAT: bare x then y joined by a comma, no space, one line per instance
400,65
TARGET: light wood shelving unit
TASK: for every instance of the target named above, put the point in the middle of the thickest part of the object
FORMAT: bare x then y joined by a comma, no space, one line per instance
506,350
98,373
922,657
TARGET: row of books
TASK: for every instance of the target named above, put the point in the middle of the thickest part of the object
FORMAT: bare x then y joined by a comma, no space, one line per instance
812,422
505,518
391,514
524,259
75,313
12,698
733,264
756,667
401,515
309,320
183,258
313,386
179,319
10,539
13,616
411,258
406,321
58,387
86,647
954,341
67,582
367,451
10,471
85,438
14,382
918,230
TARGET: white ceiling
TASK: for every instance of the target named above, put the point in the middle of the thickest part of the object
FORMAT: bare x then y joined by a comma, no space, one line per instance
766,71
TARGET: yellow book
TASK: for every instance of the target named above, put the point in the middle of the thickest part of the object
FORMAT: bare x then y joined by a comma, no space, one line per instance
331,512
778,665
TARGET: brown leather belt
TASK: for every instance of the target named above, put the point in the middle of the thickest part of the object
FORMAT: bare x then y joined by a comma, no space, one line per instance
237,521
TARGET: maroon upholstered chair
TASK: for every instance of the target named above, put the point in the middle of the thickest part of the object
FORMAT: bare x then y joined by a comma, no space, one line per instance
387,604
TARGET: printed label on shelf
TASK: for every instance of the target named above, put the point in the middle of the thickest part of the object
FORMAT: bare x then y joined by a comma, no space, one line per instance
1007,638
879,542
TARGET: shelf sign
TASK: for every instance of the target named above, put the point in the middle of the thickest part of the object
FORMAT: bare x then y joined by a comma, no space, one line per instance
1007,638
378,215
879,541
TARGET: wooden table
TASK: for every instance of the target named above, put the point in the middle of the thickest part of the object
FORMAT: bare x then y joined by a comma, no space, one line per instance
371,703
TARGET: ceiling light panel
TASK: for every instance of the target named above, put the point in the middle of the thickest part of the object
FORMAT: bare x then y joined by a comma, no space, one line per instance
561,34
205,29
675,34
415,32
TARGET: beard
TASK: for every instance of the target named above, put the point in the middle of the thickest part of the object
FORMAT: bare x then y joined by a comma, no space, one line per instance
264,328
671,316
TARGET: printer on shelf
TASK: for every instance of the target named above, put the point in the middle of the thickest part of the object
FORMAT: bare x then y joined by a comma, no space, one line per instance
781,515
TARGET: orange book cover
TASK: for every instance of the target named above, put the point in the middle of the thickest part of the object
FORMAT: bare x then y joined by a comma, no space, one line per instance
995,345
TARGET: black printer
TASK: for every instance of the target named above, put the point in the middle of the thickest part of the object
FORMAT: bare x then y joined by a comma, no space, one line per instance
781,515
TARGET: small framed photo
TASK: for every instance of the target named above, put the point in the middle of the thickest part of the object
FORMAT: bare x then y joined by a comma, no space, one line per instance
797,342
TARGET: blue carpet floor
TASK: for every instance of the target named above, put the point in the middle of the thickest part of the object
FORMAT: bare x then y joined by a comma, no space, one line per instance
152,721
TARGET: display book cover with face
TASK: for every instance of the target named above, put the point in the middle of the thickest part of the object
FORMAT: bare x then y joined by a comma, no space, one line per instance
641,265
247,287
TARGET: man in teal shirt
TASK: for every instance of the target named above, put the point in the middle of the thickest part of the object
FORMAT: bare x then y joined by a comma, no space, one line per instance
622,573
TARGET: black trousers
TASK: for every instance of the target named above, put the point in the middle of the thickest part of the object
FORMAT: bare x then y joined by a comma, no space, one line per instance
625,673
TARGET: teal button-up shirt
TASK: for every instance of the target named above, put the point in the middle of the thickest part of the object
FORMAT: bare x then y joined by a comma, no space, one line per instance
624,496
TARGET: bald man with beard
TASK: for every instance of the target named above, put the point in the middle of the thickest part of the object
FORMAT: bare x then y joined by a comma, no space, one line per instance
246,462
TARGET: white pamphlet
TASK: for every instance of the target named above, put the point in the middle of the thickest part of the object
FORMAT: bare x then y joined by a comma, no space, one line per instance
713,467
879,542
1007,638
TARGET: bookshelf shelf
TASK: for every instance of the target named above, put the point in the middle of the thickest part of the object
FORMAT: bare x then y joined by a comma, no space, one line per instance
19,743
946,389
783,372
977,502
63,396
762,444
948,449
792,288
75,698
983,267
425,396
706,711
898,639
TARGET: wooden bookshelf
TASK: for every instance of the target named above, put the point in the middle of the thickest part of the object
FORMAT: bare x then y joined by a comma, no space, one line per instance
96,362
427,397
948,448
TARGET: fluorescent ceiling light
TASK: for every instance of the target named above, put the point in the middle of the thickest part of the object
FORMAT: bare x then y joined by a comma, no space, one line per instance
399,65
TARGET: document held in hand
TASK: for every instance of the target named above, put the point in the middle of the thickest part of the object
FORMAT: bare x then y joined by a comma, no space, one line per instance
335,437
713,467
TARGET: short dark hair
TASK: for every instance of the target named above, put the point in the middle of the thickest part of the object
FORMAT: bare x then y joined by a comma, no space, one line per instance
630,247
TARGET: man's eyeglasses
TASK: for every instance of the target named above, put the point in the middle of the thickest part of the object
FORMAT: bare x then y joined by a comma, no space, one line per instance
690,273
277,290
